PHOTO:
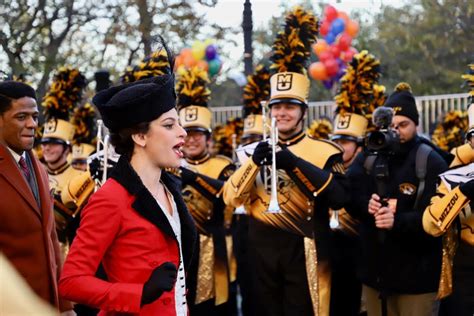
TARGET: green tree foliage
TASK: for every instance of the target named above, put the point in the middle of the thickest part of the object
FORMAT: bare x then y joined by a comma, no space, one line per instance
427,43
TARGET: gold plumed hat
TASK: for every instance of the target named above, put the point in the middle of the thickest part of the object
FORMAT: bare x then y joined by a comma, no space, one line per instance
320,129
256,91
193,95
450,132
358,96
469,77
291,56
85,121
65,92
156,64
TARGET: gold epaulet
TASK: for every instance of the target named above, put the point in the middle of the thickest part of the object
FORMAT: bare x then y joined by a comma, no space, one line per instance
315,151
463,155
222,157
338,147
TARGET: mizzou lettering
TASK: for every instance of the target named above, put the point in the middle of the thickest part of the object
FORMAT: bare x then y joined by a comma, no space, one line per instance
191,114
344,121
448,207
284,82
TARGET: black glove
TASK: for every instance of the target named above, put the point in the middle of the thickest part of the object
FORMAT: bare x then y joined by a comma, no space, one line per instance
467,189
187,176
262,154
285,159
161,279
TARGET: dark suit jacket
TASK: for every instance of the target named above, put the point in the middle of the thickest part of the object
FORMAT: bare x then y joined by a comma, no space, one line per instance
27,231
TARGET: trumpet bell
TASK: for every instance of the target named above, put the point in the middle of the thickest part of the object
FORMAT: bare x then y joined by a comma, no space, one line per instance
240,210
274,208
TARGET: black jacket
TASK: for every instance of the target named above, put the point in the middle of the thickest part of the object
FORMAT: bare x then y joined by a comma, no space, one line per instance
408,260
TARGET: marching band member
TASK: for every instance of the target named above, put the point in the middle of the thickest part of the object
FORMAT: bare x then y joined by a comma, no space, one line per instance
450,214
256,92
358,96
64,93
291,256
202,180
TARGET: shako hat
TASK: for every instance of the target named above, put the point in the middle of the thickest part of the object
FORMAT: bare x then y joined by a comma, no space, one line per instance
256,91
358,96
193,96
291,56
63,95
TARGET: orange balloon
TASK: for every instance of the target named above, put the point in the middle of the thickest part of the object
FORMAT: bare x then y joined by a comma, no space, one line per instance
186,52
344,16
203,65
352,28
320,46
178,61
317,71
189,61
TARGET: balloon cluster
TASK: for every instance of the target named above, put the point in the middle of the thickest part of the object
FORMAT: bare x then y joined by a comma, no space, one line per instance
334,50
200,54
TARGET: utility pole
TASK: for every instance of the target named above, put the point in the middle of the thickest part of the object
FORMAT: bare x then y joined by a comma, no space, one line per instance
247,25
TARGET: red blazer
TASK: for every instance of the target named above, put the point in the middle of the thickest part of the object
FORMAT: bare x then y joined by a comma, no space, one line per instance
123,227
27,231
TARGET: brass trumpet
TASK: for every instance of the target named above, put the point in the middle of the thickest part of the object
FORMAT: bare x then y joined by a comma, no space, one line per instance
273,207
102,147
239,210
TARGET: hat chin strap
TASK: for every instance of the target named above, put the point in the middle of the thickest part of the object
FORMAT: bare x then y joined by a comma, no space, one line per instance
294,130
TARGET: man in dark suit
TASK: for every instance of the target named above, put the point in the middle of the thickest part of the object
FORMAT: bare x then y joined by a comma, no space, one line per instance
27,230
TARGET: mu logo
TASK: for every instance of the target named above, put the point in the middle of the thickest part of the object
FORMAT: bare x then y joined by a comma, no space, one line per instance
249,121
344,121
284,82
50,126
191,114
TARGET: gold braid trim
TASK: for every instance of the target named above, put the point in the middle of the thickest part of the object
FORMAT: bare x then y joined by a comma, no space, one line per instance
319,279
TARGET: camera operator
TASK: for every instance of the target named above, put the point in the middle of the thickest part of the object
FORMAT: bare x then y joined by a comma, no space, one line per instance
399,263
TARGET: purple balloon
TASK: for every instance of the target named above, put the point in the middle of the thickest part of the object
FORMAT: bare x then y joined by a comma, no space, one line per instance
328,83
211,52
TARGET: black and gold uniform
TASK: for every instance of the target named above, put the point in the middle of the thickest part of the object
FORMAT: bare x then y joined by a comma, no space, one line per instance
202,178
450,215
64,93
358,96
291,247
256,92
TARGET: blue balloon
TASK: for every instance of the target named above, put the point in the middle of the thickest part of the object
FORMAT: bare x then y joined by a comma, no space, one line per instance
337,26
330,38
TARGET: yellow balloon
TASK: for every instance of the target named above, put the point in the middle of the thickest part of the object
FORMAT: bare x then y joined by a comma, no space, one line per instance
199,50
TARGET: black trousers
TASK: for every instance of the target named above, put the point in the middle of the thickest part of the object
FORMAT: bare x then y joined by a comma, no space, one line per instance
245,265
346,289
281,283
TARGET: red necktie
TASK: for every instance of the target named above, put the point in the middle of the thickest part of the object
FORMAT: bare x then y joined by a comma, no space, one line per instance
25,169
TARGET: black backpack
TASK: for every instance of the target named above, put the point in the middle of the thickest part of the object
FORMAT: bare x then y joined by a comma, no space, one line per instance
421,163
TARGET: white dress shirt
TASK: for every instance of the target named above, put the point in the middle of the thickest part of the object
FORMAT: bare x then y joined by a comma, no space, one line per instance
180,286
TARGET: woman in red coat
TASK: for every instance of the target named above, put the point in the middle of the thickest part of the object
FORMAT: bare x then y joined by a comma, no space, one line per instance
137,224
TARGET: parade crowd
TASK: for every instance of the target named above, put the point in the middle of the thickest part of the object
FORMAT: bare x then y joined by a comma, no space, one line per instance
147,209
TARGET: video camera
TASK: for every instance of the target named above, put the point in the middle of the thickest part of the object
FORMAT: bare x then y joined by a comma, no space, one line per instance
384,140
